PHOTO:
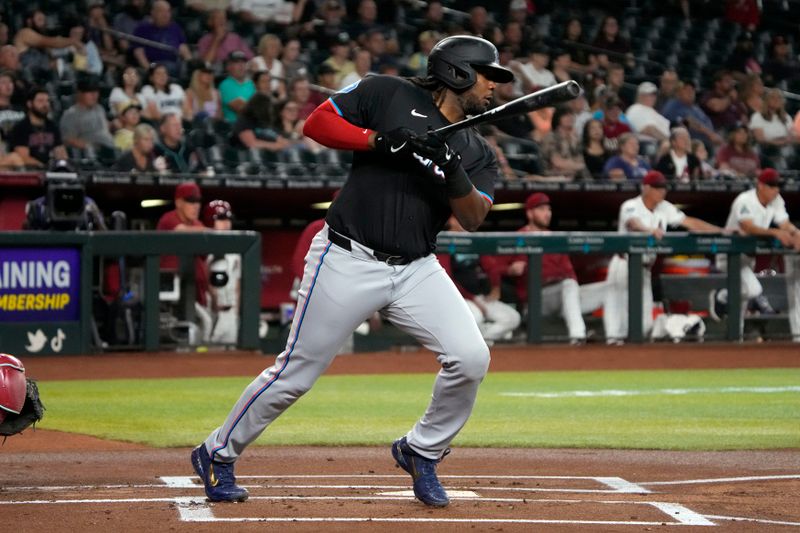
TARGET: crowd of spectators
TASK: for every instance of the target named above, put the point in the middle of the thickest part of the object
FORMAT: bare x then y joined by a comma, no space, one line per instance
153,86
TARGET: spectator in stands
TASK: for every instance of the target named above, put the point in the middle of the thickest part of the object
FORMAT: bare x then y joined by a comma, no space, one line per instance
477,278
594,150
186,217
161,29
680,164
616,47
127,90
9,59
580,108
780,66
434,19
513,40
254,128
140,157
10,113
203,98
560,65
128,19
290,126
33,45
534,74
96,27
721,103
86,58
752,93
237,88
178,152
572,39
561,151
160,96
628,164
326,78
613,124
263,82
366,19
129,117
737,158
339,60
682,110
742,60
218,43
84,124
523,15
668,84
418,62
362,61
206,6
707,170
772,127
615,82
269,51
36,138
560,290
643,117
300,93
274,12
519,125
294,66
332,13
5,37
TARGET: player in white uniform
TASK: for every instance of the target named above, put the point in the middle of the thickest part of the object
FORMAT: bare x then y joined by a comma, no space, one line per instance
226,274
754,212
647,213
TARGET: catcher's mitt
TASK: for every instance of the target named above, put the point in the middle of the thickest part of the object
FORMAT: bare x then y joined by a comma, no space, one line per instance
32,411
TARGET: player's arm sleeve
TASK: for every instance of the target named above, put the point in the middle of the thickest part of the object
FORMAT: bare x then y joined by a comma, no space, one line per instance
781,215
346,120
676,216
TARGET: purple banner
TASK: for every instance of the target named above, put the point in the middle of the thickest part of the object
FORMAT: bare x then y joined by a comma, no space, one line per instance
39,284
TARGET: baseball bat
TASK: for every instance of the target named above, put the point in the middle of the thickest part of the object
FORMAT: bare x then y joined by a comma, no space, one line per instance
557,94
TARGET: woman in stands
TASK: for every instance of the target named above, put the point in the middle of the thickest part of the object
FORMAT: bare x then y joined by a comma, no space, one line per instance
202,96
269,50
628,165
594,150
160,96
140,158
290,125
737,158
254,127
127,90
773,129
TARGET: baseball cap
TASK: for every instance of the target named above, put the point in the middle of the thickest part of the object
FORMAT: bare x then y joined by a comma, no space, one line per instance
654,178
770,176
237,55
536,199
130,104
189,191
647,87
88,84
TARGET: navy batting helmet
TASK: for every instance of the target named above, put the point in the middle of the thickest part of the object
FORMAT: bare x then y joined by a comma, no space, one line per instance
216,210
455,60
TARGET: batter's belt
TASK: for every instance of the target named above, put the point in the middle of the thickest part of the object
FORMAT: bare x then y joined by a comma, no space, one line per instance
345,243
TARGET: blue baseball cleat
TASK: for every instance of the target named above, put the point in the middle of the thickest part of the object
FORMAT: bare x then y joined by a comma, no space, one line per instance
218,478
427,488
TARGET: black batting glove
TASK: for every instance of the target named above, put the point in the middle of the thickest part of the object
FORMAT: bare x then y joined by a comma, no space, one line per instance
434,147
393,142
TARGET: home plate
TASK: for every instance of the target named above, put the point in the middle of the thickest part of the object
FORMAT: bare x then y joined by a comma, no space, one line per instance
410,493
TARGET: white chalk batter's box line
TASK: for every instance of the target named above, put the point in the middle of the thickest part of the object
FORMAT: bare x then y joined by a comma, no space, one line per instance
197,509
615,485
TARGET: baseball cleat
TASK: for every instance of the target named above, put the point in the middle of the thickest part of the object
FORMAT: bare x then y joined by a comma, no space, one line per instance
218,478
427,488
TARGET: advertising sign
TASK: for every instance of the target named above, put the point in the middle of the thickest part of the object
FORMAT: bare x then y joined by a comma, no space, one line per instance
39,284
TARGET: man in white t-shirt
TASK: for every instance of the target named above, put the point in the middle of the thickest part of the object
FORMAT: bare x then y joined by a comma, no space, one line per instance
651,214
643,117
534,74
755,212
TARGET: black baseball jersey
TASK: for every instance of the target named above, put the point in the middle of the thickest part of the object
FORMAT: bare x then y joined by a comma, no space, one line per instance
397,204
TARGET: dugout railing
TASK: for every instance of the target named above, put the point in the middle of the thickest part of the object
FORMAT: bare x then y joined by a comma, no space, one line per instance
41,331
636,246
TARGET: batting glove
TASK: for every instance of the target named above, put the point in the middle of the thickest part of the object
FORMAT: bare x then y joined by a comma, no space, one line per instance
393,142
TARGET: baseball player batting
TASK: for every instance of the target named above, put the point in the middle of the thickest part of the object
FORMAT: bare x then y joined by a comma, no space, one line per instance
375,254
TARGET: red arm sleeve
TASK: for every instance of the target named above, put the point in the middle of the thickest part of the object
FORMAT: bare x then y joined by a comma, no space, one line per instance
327,126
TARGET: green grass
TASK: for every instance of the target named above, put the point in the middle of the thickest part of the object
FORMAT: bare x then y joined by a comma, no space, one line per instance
373,410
